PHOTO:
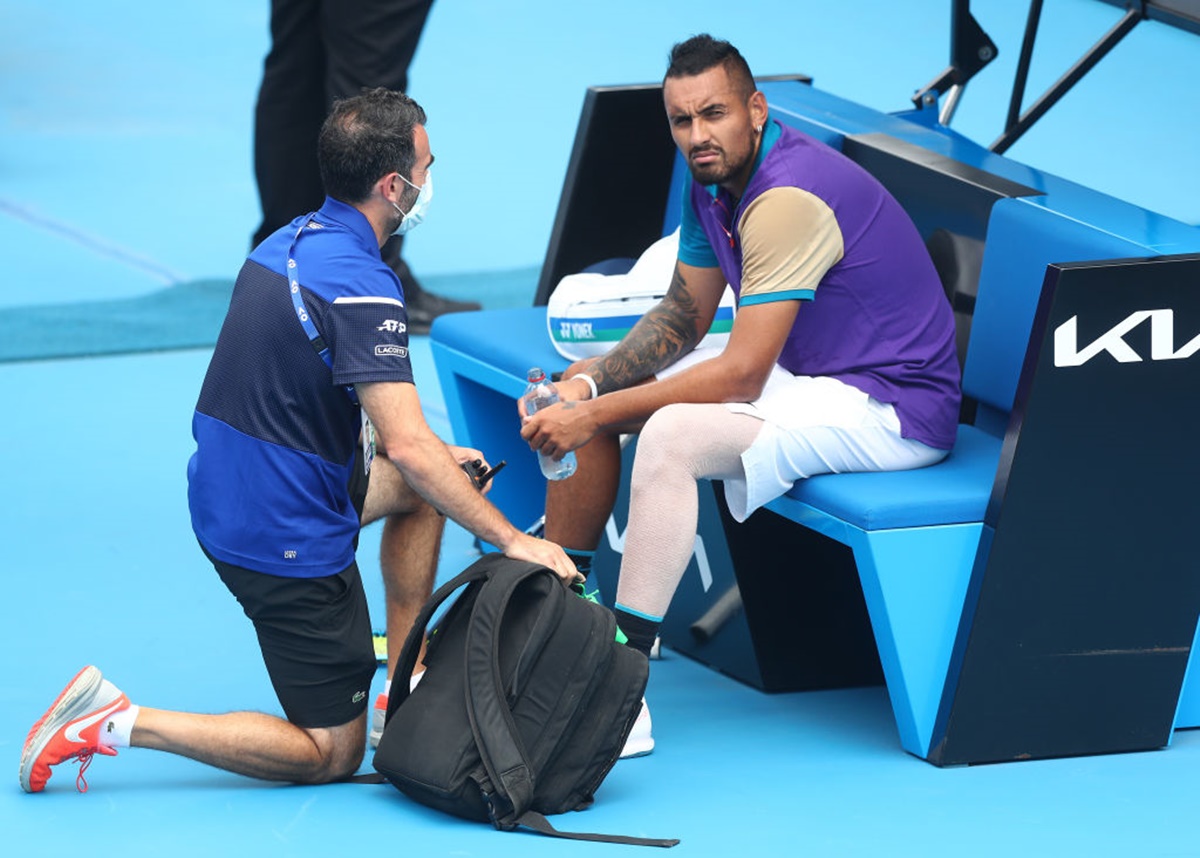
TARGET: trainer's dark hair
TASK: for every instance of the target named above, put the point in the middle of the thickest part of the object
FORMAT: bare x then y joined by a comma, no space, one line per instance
701,53
364,138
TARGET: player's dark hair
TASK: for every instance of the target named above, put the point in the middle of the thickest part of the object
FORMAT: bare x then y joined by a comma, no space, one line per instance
701,53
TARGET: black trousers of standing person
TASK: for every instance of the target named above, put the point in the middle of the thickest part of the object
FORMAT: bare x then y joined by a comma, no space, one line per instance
323,50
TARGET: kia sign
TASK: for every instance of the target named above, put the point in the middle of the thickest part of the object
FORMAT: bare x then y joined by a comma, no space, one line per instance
1162,340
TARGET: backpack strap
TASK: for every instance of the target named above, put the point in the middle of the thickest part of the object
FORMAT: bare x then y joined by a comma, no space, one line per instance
364,778
412,645
496,735
533,820
481,569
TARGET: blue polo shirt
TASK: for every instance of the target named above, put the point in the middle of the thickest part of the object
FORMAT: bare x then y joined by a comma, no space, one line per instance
275,429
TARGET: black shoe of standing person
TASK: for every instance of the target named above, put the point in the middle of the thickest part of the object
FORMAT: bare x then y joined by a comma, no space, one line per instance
422,306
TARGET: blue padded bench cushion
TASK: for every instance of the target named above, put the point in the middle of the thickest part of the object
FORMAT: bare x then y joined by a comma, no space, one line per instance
954,491
511,340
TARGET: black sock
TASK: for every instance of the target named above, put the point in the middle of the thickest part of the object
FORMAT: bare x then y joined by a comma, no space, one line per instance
582,560
639,628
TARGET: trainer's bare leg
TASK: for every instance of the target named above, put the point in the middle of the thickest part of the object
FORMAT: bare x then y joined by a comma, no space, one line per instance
255,744
271,748
408,551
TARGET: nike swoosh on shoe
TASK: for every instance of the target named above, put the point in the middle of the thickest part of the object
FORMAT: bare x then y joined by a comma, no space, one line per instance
72,733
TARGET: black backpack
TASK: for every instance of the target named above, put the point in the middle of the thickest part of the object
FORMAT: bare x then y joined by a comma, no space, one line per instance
525,704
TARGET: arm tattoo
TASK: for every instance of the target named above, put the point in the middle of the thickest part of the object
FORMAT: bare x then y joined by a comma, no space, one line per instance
662,336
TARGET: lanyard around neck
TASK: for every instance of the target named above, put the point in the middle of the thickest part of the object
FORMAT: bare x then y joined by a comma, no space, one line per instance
293,275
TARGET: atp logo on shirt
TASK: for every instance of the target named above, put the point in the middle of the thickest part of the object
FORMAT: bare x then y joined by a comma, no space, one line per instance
393,327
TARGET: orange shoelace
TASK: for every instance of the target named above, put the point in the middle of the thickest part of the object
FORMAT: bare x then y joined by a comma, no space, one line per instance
85,760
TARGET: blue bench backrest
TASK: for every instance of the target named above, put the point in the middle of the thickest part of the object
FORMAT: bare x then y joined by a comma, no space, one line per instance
1023,238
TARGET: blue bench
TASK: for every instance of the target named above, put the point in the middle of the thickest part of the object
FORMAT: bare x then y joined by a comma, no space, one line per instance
1002,630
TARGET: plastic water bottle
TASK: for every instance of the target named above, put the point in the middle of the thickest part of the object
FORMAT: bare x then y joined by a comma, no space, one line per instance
541,393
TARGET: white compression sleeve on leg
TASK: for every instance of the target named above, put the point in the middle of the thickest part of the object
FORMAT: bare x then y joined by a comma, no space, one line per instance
679,445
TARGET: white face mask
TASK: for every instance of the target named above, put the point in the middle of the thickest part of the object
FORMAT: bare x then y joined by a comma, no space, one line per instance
416,214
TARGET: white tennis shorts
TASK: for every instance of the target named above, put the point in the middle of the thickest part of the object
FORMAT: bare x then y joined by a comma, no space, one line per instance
812,425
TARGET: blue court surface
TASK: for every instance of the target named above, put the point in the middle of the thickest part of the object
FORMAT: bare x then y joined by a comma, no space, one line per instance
126,205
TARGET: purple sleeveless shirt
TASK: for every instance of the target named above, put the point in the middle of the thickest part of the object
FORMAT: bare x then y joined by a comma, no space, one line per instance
879,319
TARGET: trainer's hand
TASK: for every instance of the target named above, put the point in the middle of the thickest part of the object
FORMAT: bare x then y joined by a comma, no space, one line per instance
470,454
466,454
548,554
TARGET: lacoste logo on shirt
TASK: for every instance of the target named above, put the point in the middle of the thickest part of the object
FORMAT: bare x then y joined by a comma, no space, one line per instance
359,697
391,351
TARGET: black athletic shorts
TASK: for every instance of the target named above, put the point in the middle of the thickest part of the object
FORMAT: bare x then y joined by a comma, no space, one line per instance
314,633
